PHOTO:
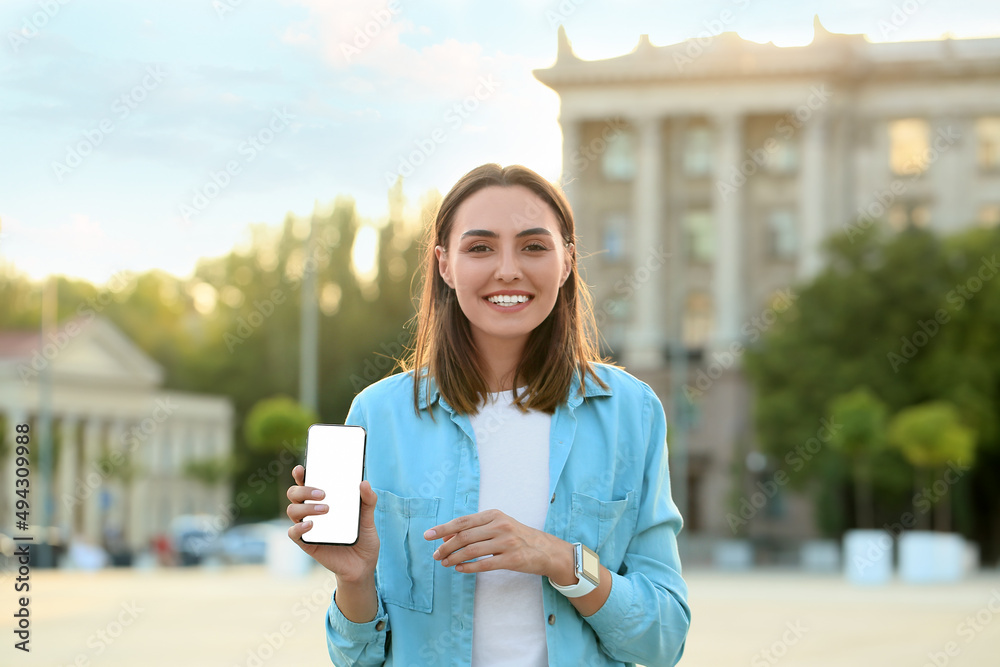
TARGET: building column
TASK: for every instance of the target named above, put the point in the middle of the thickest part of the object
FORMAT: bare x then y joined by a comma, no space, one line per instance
953,173
813,190
179,433
67,476
645,337
155,450
570,145
92,431
220,451
728,232
136,491
119,480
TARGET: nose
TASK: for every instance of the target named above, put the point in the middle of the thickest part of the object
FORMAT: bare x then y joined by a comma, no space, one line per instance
508,267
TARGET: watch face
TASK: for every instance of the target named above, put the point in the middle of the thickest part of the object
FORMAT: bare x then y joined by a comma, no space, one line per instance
591,565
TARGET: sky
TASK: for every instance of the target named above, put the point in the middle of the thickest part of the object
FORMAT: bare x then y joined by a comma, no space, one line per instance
141,135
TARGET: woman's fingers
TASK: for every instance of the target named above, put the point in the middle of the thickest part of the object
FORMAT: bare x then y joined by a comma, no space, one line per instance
299,511
297,530
298,494
462,541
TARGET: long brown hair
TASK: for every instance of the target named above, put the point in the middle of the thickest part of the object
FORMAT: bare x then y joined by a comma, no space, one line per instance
564,343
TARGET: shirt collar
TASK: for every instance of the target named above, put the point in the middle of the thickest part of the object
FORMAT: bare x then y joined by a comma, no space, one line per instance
573,397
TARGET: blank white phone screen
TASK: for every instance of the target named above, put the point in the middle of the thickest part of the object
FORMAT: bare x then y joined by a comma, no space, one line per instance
335,457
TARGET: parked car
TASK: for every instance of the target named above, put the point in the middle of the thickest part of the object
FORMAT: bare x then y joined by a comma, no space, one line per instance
194,538
246,543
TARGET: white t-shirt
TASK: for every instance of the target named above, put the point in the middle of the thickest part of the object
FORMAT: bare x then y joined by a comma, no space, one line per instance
508,625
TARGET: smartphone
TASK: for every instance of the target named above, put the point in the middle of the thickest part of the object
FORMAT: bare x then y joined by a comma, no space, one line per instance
335,462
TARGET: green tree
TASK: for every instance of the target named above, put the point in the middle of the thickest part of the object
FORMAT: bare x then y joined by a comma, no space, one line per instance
913,316
275,426
861,417
931,436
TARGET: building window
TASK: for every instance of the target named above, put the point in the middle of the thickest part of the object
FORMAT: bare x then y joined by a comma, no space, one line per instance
615,226
699,233
989,215
698,147
618,160
781,233
699,319
909,146
904,215
988,133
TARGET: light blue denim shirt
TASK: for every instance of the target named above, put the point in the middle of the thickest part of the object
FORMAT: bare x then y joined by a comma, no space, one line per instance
610,490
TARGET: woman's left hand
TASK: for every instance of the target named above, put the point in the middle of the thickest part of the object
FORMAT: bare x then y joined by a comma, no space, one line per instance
513,546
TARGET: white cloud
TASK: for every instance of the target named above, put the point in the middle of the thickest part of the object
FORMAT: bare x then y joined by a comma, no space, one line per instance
366,35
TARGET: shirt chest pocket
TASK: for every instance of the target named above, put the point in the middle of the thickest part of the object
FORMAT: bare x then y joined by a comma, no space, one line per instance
405,559
605,526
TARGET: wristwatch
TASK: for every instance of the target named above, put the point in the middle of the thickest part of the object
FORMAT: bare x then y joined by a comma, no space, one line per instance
588,573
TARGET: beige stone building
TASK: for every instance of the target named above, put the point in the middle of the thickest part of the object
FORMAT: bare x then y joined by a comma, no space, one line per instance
123,445
704,176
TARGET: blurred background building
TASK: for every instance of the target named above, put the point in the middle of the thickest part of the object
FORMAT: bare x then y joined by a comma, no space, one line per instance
706,174
128,457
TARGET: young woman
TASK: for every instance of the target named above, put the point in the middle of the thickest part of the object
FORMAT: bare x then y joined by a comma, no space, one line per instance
517,506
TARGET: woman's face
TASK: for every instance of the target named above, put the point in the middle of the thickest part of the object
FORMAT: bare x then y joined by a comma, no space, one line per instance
506,261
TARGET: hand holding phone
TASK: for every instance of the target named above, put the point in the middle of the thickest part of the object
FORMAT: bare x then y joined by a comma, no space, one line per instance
335,459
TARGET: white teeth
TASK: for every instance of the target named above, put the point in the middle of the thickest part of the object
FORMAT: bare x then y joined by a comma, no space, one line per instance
506,300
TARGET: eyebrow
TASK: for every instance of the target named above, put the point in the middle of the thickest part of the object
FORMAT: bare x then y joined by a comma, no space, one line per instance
534,231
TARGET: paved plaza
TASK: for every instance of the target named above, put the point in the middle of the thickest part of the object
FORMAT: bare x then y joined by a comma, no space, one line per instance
240,616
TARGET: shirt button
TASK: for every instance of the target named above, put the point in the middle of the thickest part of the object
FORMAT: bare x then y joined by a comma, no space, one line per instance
553,499
552,619
380,626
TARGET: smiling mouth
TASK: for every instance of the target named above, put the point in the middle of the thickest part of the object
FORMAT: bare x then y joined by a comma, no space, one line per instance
508,300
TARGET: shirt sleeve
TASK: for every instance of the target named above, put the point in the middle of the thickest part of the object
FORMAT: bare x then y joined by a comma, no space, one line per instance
361,644
349,643
646,617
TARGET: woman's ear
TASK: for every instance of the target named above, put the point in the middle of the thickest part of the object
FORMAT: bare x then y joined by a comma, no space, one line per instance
443,266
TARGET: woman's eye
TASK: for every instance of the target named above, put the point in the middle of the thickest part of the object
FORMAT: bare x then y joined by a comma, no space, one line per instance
478,247
535,247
